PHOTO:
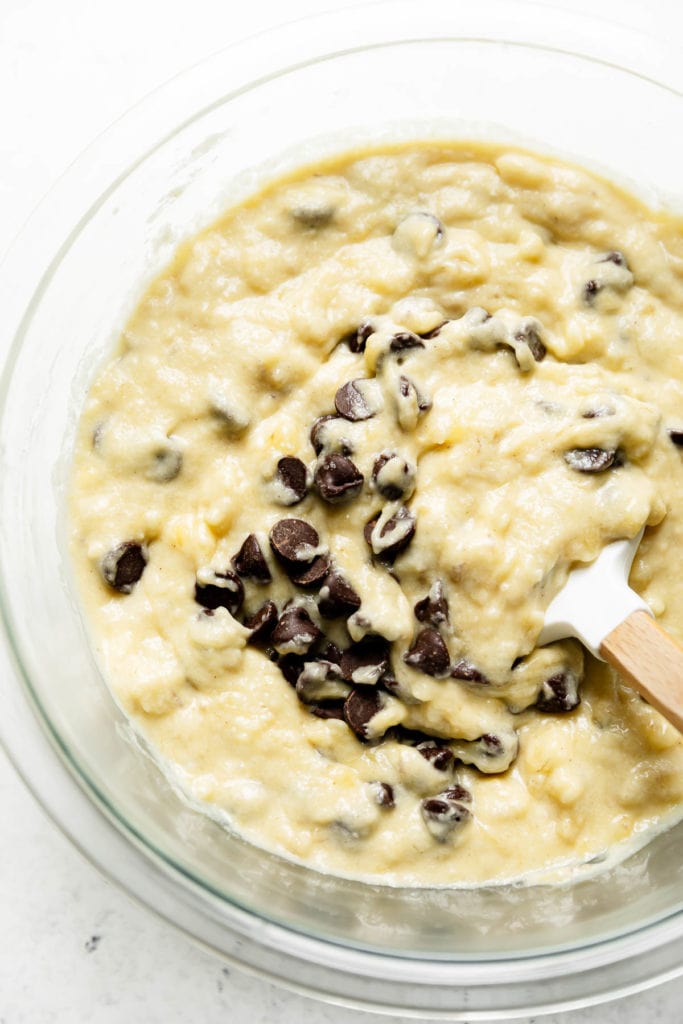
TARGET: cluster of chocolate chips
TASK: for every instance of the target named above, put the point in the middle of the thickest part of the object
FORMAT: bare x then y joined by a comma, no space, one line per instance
611,271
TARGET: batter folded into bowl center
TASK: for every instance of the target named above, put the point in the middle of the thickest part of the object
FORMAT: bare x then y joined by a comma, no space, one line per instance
350,445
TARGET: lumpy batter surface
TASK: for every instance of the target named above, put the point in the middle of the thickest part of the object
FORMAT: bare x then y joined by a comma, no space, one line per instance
351,443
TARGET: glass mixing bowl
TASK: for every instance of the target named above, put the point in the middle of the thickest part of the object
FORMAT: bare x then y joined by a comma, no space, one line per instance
504,71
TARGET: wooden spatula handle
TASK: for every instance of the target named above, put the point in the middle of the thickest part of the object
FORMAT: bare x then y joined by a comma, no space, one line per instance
651,661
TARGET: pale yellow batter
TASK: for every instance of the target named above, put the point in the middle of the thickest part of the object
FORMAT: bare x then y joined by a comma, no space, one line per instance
497,341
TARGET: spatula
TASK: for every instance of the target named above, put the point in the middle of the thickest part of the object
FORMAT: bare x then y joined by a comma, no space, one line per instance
597,606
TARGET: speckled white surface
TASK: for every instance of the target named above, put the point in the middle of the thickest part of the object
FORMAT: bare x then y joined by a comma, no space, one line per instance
74,948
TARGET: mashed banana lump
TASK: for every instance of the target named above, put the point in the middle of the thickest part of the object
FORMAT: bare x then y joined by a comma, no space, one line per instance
351,443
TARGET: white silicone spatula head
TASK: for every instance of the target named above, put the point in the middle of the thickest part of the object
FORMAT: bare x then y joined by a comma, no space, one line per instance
595,599
597,605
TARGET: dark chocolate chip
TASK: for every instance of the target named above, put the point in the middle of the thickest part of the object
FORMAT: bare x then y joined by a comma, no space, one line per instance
331,652
123,566
676,436
365,662
361,706
393,476
250,563
320,441
337,598
530,336
429,653
458,792
294,540
590,290
332,710
428,335
337,479
442,815
597,413
559,693
317,429
467,671
405,340
352,402
395,535
313,217
320,681
491,745
291,667
357,338
433,608
166,464
438,756
224,591
291,476
295,631
383,794
617,258
310,575
406,388
590,460
262,623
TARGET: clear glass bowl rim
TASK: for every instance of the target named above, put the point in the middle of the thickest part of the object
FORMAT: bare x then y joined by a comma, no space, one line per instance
280,40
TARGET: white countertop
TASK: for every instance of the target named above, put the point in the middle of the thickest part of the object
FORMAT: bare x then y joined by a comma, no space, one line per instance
75,948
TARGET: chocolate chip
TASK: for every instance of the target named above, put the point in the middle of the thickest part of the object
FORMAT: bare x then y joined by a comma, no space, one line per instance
438,756
458,792
429,653
332,710
291,667
382,794
590,290
617,258
360,707
590,460
262,623
528,335
428,335
314,216
312,574
467,671
405,340
295,631
123,566
357,338
291,481
358,399
388,540
337,598
250,563
393,476
366,662
320,436
167,461
597,413
559,693
331,652
231,416
676,436
337,479
433,608
320,681
294,540
219,590
409,404
442,815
